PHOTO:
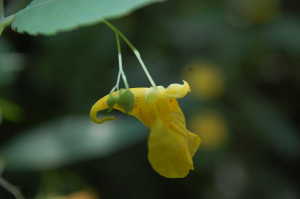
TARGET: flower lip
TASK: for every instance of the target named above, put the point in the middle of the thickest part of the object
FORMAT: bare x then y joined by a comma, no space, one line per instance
173,91
177,90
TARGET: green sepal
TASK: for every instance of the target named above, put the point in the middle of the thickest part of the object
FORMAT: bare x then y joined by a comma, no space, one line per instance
126,100
111,101
119,99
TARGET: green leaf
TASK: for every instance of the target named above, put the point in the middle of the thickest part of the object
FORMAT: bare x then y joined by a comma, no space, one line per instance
284,34
11,111
71,139
48,17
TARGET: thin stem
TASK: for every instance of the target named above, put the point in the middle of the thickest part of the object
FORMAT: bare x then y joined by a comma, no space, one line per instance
12,189
120,62
118,80
1,10
136,52
117,84
117,31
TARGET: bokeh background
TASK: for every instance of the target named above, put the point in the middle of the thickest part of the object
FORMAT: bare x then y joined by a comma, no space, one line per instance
242,61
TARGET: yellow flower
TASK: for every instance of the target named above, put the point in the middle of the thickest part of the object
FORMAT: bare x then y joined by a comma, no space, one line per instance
206,78
211,126
83,194
171,146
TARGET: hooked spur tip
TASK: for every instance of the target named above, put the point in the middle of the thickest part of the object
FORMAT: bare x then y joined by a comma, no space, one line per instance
102,120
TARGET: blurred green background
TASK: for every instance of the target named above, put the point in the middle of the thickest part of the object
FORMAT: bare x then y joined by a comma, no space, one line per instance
242,61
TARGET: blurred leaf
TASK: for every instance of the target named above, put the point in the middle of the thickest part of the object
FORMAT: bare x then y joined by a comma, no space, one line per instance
11,111
0,116
270,182
284,34
10,63
71,139
270,125
50,16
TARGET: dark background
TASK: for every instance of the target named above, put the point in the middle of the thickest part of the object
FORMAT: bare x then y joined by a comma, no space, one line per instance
241,59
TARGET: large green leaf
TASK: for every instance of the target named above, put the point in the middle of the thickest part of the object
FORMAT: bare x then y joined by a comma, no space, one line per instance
50,16
71,139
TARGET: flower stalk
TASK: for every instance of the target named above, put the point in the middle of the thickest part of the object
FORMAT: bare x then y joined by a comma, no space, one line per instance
4,21
135,51
120,62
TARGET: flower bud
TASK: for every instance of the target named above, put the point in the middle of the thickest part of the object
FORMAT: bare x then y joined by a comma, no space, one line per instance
111,101
126,100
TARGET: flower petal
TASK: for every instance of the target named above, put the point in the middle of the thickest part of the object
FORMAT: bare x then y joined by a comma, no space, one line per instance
171,146
141,110
99,106
177,90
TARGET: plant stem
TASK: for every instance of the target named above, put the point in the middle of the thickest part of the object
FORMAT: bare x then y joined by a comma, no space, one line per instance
137,54
4,21
12,189
6,185
120,62
117,84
